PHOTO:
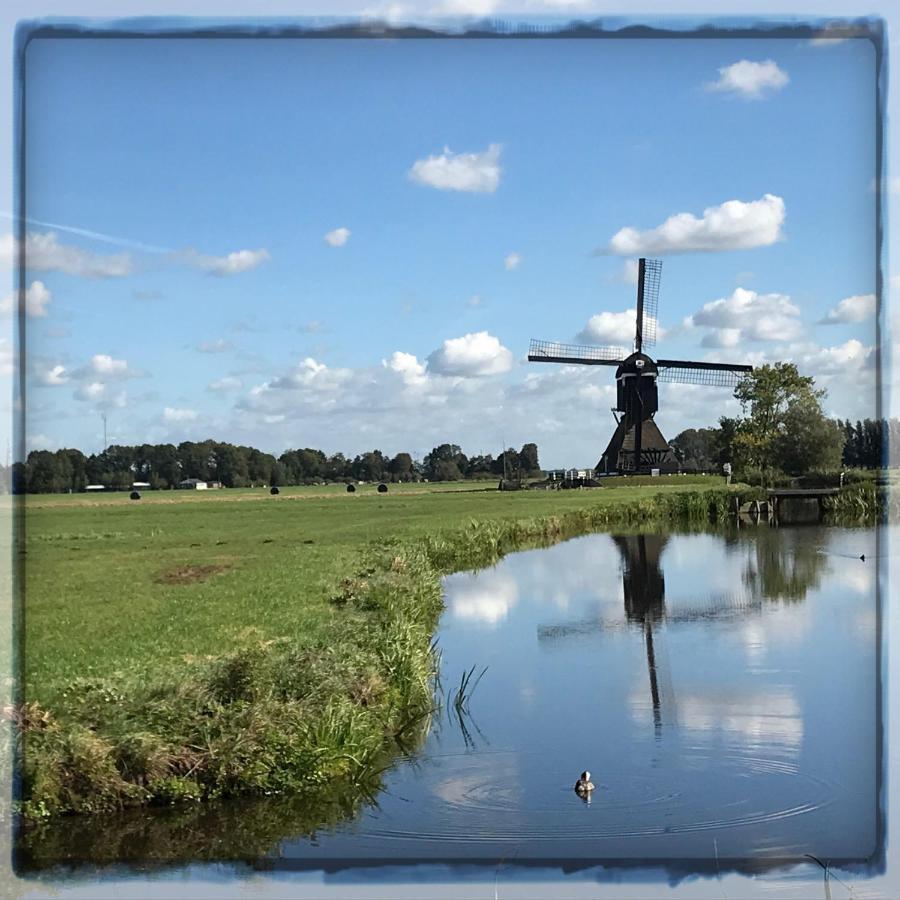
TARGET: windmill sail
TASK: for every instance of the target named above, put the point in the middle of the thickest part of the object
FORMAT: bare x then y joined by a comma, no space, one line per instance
678,371
553,351
649,274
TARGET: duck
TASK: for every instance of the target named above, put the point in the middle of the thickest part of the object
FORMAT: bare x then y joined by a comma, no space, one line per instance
584,785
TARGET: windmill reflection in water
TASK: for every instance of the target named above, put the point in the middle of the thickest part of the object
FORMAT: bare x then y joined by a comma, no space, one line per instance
644,589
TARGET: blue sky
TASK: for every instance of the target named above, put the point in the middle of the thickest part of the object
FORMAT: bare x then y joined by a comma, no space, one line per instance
216,306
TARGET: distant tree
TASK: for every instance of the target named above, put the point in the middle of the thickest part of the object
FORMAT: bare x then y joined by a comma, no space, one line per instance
401,468
445,453
259,466
507,464
528,459
479,466
370,466
446,470
43,472
231,465
697,448
276,475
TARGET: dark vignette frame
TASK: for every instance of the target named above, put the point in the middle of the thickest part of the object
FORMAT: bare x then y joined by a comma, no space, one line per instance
361,869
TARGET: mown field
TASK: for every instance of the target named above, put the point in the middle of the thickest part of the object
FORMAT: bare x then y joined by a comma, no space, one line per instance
119,585
205,644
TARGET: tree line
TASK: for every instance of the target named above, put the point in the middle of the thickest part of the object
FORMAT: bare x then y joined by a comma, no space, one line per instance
166,465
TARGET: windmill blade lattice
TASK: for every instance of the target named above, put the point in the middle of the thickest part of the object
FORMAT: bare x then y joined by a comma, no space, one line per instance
652,275
710,374
554,351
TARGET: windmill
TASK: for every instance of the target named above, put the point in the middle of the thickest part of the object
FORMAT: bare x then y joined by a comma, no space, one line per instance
637,445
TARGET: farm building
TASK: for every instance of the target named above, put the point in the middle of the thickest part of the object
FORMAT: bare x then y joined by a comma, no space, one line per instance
192,484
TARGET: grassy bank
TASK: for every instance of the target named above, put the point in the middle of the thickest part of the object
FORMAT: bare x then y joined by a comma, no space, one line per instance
204,648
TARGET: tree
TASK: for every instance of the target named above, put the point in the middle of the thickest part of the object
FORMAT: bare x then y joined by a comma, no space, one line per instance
528,459
401,468
506,464
445,453
697,448
783,427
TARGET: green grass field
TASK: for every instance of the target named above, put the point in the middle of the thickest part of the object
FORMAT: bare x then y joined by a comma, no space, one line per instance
184,638
119,585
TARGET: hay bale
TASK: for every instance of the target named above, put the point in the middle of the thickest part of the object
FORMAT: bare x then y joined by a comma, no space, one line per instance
135,495
274,490
351,488
382,488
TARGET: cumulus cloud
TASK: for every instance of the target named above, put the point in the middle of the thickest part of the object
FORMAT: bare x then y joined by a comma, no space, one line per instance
857,308
44,253
471,355
104,365
734,225
174,414
752,80
407,366
228,383
310,375
54,376
338,237
100,393
223,266
37,297
475,172
612,328
512,261
748,316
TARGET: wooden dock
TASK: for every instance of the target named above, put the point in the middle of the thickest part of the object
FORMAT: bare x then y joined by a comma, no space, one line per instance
796,498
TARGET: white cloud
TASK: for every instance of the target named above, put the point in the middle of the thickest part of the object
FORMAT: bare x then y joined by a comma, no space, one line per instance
173,414
476,172
471,355
407,366
44,253
54,376
750,79
37,296
611,328
338,237
217,346
99,393
104,365
223,266
857,308
748,316
734,225
512,261
311,373
851,356
228,383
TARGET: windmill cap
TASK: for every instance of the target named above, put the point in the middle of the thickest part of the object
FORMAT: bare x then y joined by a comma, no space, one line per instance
636,363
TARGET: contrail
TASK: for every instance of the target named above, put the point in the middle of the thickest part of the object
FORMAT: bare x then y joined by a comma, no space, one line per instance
96,235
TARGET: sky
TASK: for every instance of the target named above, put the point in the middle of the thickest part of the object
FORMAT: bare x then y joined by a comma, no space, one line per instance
348,244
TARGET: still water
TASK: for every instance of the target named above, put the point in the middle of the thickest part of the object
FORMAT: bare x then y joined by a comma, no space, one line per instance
720,688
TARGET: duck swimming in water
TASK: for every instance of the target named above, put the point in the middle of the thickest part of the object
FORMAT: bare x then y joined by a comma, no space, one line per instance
584,785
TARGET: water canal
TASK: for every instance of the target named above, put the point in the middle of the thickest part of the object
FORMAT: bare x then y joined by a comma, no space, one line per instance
720,687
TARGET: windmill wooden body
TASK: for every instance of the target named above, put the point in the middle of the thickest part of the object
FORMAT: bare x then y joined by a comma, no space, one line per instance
637,445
